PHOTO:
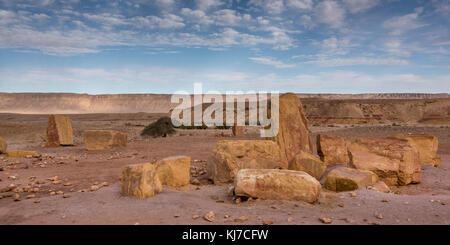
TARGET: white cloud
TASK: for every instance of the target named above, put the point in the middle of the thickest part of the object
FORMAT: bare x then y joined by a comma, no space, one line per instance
271,62
359,6
208,4
300,4
270,6
396,47
357,61
168,21
331,13
335,46
196,16
400,24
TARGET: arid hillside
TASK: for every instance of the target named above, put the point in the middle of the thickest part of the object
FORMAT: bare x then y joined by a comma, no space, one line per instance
319,108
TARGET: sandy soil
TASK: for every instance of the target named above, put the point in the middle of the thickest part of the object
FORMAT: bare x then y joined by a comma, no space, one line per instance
424,203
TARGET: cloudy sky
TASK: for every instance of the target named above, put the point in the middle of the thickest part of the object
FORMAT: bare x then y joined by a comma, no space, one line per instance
162,46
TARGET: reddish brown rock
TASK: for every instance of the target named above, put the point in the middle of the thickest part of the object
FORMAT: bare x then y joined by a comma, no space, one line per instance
140,181
293,135
104,139
349,179
277,184
174,171
332,149
3,145
22,154
394,161
426,145
59,131
230,156
308,163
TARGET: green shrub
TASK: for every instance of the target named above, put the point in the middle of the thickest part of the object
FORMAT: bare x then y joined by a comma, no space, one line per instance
160,128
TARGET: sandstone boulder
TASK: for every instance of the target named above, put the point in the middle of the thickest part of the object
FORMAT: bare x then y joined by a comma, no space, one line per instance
426,145
332,149
349,179
22,154
104,139
174,171
394,161
59,131
308,163
230,156
293,135
140,181
237,130
380,186
3,145
277,184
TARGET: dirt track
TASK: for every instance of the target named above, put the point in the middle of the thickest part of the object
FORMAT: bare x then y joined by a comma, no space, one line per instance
424,203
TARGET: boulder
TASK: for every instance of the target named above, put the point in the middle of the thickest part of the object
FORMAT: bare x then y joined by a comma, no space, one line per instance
59,131
293,135
426,145
276,184
237,130
230,156
22,154
308,163
332,149
349,179
380,186
394,161
104,139
174,171
3,145
140,180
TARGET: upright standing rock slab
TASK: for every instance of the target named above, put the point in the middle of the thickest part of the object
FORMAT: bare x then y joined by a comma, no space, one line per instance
349,179
59,131
332,149
3,145
293,135
231,155
308,163
174,171
140,180
104,139
394,161
426,145
277,184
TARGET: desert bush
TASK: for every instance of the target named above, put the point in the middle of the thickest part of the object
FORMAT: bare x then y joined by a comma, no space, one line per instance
161,128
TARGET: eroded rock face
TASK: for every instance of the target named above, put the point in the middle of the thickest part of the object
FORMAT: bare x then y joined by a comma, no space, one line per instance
3,145
104,139
293,135
230,156
426,145
277,184
59,131
380,186
308,163
349,179
332,149
394,161
140,181
22,154
174,171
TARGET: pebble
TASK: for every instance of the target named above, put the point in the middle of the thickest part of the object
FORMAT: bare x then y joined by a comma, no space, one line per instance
30,196
325,220
16,197
210,216
241,219
268,222
290,219
37,200
66,196
195,217
176,215
353,194
378,216
94,188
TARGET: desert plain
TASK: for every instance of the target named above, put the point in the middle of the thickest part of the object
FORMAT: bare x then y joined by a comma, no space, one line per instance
77,186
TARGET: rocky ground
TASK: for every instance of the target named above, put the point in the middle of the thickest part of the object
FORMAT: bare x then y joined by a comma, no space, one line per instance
87,187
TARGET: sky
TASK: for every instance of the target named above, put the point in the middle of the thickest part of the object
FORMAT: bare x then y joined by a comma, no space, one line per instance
164,46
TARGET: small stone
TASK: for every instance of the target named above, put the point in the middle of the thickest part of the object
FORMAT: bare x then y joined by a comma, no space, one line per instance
37,200
241,219
353,194
195,217
35,190
195,181
268,222
220,201
66,196
341,205
226,216
67,184
30,196
378,216
385,200
238,200
16,197
210,216
290,219
59,192
325,220
105,183
94,188
52,193
176,215
57,182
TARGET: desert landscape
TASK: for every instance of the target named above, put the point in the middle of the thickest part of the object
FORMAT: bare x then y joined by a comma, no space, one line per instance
373,159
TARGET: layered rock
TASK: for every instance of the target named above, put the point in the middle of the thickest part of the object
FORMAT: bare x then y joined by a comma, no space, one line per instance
308,163
293,135
277,184
104,139
59,131
229,156
3,145
22,154
332,149
394,161
349,179
174,171
426,145
140,180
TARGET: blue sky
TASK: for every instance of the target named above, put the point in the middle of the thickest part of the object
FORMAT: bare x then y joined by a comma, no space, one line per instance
163,46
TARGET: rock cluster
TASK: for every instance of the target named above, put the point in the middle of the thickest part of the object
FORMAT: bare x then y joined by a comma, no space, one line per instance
426,145
332,149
